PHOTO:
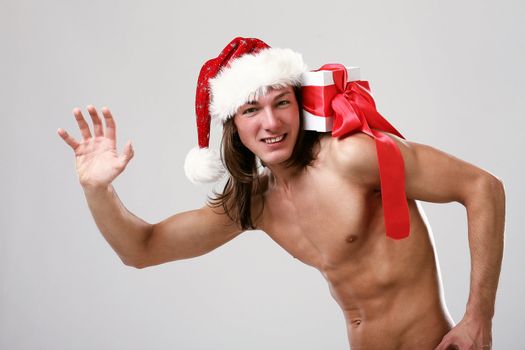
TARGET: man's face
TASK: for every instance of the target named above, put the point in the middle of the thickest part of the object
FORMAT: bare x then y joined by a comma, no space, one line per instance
269,126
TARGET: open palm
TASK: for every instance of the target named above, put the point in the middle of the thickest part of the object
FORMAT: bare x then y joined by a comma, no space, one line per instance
97,160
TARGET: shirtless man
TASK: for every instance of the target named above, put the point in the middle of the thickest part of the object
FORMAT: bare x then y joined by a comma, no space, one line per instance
329,215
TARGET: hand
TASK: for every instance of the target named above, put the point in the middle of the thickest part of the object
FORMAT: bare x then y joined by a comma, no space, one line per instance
468,334
97,161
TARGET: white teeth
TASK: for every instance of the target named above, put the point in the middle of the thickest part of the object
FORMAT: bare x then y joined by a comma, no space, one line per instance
274,140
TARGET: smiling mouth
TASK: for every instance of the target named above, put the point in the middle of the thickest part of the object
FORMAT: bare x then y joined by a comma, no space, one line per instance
272,140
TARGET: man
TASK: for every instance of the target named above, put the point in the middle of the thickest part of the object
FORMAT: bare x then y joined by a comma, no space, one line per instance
322,198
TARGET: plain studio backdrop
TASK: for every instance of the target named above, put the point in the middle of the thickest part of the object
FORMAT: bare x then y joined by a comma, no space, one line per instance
445,73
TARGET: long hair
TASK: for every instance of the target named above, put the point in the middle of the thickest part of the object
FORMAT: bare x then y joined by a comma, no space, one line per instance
244,180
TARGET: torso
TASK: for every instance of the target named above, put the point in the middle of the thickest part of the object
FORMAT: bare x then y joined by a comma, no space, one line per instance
389,290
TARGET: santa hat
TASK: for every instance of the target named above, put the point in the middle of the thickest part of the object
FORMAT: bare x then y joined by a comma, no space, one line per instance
243,71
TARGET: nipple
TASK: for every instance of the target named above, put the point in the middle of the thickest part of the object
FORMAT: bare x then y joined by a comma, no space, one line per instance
350,238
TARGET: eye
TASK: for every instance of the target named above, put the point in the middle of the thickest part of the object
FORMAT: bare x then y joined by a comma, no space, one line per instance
283,103
249,110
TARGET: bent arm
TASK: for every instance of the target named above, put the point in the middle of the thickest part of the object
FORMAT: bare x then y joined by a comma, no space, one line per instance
136,242
140,244
435,176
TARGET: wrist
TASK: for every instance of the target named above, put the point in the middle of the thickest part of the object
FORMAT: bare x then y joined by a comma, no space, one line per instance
479,312
94,190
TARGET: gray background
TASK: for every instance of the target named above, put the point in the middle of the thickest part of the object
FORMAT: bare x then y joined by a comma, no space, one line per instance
445,73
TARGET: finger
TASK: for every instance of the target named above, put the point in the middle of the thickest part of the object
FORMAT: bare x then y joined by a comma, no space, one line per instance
82,124
111,128
127,153
66,137
445,345
97,123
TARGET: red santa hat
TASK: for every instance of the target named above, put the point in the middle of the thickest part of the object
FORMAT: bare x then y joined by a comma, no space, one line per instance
244,70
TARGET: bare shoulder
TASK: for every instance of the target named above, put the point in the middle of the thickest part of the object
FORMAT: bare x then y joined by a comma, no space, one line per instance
355,157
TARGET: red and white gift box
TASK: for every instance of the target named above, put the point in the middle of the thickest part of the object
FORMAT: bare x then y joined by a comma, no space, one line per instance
317,114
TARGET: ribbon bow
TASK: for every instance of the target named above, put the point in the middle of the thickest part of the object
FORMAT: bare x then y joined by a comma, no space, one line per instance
354,110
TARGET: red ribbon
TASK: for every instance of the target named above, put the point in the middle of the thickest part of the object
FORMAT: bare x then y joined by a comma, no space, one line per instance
354,110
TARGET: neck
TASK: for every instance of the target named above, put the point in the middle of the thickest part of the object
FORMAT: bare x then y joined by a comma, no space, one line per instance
283,177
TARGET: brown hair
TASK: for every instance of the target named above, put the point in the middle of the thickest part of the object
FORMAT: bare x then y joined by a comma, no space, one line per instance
244,180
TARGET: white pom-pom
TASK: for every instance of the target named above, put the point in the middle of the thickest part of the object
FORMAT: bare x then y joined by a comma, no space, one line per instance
203,165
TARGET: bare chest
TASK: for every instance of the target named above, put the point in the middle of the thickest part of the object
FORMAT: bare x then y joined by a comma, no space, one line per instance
326,222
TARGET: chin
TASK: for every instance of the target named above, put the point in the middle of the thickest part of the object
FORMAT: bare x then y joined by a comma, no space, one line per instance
276,159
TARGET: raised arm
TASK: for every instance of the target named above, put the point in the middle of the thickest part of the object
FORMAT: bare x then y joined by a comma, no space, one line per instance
140,244
137,242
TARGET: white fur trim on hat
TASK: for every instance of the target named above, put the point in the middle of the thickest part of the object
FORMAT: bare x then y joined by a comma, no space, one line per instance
203,165
249,76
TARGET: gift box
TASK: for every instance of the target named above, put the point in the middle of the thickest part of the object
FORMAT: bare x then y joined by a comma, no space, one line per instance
317,112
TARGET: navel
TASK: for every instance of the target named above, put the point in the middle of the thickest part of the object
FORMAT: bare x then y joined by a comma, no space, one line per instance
356,322
350,238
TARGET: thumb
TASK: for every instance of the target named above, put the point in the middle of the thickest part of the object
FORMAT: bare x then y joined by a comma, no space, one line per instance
127,153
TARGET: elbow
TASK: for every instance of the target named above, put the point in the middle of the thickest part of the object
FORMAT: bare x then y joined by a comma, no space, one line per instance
499,190
490,187
495,186
139,266
136,263
484,187
138,257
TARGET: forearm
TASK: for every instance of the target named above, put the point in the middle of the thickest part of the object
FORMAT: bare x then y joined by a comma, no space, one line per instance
486,223
125,232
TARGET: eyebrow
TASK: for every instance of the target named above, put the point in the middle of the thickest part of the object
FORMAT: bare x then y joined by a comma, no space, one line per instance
275,98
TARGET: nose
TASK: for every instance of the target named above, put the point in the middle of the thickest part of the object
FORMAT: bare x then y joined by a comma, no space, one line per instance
270,121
